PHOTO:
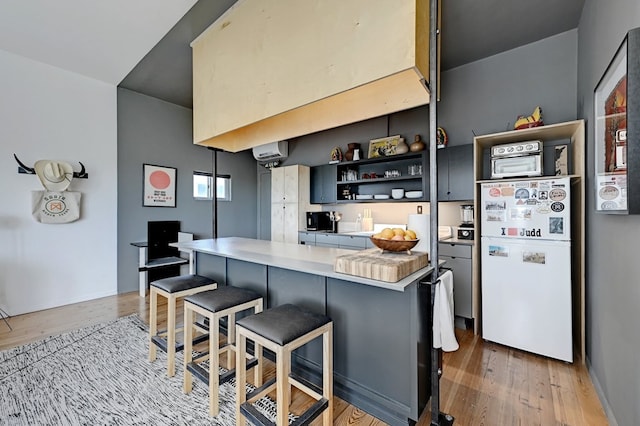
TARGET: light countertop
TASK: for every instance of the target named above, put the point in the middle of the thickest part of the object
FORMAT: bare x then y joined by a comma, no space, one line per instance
296,257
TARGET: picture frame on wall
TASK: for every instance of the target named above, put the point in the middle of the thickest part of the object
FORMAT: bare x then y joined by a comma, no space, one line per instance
158,186
616,131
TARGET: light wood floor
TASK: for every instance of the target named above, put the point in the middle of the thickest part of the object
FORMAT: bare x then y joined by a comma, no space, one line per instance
482,384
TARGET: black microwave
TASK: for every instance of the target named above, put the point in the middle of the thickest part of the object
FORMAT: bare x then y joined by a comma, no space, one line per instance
318,221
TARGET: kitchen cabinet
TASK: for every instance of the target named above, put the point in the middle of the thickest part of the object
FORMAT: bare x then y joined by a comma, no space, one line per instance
361,180
289,202
327,240
455,173
351,242
307,238
458,258
323,184
571,134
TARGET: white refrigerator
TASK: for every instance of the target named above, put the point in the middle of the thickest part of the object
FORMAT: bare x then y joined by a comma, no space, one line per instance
526,265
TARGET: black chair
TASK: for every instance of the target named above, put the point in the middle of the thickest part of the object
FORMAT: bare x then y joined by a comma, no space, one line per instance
161,258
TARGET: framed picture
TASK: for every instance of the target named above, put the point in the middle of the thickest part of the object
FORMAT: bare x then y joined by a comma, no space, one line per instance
383,147
616,131
158,186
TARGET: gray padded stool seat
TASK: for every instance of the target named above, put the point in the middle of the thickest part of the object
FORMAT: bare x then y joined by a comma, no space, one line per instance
282,330
181,283
172,288
213,305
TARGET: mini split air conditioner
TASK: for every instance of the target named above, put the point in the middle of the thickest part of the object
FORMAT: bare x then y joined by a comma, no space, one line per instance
271,151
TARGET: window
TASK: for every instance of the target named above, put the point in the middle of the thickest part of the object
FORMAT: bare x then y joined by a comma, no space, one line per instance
203,186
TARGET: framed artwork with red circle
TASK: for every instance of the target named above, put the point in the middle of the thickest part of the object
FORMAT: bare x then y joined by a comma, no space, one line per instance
159,186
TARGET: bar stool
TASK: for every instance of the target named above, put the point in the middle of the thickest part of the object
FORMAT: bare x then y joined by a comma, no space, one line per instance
172,288
214,305
282,330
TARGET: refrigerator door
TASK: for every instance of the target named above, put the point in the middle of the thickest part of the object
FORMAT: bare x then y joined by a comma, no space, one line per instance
535,209
526,295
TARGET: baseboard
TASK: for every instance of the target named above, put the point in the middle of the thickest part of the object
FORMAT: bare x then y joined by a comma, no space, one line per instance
603,400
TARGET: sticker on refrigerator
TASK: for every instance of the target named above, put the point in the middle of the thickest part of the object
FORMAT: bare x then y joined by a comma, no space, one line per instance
507,192
495,192
495,205
557,194
500,251
496,216
543,208
557,207
556,225
534,257
522,194
520,213
543,195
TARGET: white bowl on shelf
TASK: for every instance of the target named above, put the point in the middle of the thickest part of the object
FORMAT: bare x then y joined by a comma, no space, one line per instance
397,193
413,194
381,197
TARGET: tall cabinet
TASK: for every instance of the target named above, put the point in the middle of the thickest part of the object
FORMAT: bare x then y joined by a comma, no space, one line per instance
571,134
289,202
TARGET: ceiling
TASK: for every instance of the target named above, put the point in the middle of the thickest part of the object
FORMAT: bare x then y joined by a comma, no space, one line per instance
135,43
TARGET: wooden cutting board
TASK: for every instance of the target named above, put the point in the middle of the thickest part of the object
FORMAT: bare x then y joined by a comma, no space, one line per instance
383,266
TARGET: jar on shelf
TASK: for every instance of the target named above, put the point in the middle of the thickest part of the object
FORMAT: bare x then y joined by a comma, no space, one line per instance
348,156
417,144
402,147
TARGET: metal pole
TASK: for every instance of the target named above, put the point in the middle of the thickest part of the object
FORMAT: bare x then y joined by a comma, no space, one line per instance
433,196
437,418
214,201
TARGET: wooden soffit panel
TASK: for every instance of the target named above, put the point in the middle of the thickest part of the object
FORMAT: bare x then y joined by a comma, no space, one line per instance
269,70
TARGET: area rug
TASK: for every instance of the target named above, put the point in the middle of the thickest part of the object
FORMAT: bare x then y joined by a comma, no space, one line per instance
100,375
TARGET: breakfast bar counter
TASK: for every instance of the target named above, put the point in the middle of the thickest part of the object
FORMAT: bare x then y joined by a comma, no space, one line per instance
295,257
382,330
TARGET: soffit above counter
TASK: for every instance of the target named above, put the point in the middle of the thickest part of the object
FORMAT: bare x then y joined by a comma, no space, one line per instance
269,70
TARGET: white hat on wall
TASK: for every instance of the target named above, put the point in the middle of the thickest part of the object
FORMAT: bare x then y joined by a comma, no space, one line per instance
54,175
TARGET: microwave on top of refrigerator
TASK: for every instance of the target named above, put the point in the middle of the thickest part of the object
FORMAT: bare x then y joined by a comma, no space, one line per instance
519,159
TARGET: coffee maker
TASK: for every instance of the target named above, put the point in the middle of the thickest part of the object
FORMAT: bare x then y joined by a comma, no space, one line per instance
465,230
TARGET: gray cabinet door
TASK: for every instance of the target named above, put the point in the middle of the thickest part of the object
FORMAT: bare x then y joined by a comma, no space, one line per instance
455,173
323,184
461,177
458,258
443,174
462,289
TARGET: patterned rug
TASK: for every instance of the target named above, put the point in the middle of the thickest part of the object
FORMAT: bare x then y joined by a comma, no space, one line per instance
100,375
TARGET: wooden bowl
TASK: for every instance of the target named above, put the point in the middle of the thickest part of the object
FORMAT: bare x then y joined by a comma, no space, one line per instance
394,245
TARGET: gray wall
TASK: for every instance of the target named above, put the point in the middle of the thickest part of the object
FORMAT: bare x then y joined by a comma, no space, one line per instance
315,149
486,96
156,132
613,293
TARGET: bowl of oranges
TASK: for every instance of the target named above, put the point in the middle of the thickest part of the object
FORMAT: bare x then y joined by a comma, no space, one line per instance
395,239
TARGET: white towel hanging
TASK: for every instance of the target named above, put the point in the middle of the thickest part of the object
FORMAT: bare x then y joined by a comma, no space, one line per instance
443,315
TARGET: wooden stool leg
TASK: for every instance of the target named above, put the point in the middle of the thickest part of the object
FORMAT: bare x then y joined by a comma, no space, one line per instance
283,390
153,322
327,375
258,368
214,363
231,339
241,376
187,383
257,353
171,336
